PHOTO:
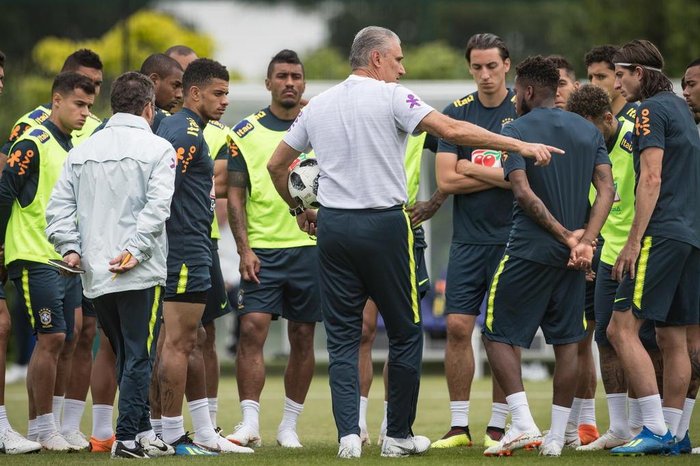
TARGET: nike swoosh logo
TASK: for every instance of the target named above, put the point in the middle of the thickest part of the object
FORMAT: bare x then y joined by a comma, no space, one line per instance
423,281
224,304
619,299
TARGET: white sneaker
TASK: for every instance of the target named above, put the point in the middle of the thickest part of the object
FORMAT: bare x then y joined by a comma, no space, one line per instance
221,445
288,438
350,447
76,439
364,437
155,447
551,448
245,436
56,442
572,440
514,440
399,447
605,442
695,451
12,443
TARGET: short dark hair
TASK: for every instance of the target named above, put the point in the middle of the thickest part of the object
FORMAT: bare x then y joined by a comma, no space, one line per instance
562,63
601,54
693,63
131,92
485,41
538,72
179,50
83,57
284,56
644,54
2,59
67,82
589,101
160,64
201,71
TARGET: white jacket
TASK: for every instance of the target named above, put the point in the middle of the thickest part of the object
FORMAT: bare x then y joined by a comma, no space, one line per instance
114,194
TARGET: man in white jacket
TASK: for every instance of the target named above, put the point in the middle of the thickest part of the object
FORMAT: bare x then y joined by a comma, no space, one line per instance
107,214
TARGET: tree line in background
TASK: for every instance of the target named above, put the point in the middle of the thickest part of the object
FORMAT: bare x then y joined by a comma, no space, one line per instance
433,33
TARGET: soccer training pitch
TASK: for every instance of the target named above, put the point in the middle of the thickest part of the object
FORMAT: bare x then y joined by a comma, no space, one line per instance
318,435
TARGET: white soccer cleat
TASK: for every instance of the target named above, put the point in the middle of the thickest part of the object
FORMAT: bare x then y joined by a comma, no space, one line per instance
156,447
288,438
76,439
400,447
350,447
514,440
223,446
605,442
56,442
572,441
551,448
12,443
245,436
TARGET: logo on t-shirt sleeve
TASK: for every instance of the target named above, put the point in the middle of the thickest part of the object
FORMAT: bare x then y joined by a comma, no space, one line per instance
412,101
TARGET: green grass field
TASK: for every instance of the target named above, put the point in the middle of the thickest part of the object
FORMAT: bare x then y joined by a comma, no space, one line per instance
318,434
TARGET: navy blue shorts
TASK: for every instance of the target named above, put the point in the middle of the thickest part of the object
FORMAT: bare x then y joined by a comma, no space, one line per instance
288,285
217,298
469,272
606,293
666,286
419,247
525,295
590,286
187,280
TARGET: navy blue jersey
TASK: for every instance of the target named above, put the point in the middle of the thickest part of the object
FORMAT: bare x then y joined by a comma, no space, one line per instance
158,117
664,121
563,185
192,208
483,217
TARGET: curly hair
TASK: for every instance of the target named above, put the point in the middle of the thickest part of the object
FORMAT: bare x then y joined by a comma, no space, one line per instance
601,54
590,102
539,72
644,54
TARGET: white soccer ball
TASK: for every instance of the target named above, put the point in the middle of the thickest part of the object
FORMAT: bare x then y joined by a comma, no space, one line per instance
303,181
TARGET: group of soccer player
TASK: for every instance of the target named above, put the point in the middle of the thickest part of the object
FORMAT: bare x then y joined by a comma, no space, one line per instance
611,209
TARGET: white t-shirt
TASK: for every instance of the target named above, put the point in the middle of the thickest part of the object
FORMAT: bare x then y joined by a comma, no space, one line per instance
358,130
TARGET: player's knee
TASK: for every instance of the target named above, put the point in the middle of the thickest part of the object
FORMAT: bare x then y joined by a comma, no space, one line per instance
252,332
459,332
301,336
51,342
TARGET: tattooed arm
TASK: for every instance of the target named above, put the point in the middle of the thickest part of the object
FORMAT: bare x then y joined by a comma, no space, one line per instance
238,221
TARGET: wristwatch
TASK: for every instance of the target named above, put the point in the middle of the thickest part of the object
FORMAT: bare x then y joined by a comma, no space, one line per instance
296,211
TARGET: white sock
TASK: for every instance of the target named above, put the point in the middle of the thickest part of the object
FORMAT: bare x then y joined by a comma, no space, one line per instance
560,416
72,414
102,422
617,409
57,407
292,410
652,414
684,424
251,413
213,409
173,428
672,417
520,410
201,422
635,414
4,422
32,429
148,434
460,413
575,413
587,415
363,413
499,414
157,425
45,425
382,427
129,443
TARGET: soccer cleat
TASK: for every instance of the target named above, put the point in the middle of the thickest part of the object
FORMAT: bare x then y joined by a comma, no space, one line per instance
572,441
245,436
185,447
56,442
400,447
588,433
551,448
646,443
156,447
350,447
219,444
101,446
695,451
493,435
605,442
12,443
288,438
119,450
455,437
77,439
684,447
515,440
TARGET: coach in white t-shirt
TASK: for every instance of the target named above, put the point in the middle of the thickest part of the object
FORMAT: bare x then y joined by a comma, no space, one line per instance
358,130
